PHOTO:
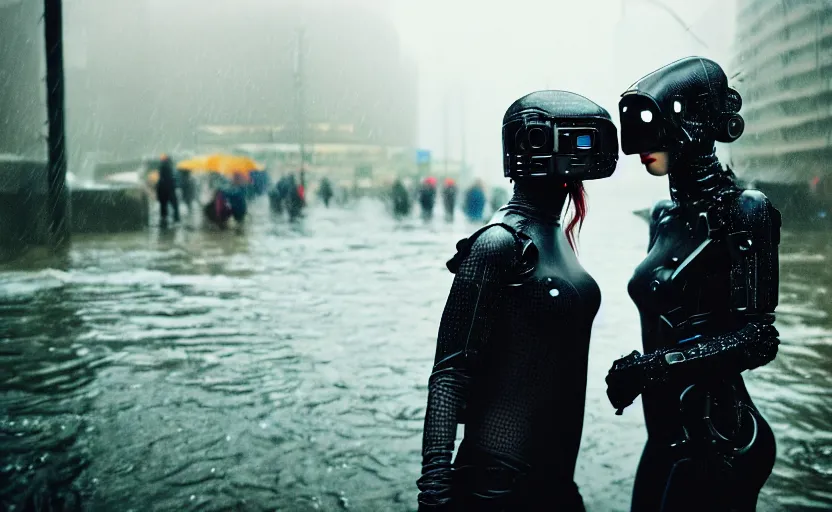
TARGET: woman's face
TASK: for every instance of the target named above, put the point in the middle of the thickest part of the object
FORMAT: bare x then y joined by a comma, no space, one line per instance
656,163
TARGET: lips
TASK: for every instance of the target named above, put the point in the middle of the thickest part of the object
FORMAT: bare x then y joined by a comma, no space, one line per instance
647,159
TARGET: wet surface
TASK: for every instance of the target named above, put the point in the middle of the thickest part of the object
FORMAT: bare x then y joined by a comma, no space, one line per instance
285,367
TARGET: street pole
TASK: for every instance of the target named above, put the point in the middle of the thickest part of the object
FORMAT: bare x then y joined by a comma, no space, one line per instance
463,165
56,173
446,130
301,114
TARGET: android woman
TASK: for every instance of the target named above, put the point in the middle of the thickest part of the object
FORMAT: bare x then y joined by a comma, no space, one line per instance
706,294
511,356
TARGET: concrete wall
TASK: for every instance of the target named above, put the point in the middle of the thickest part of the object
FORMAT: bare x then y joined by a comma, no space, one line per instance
109,209
24,215
23,211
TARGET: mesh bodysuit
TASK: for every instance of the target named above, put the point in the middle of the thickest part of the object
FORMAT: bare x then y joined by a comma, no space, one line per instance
511,365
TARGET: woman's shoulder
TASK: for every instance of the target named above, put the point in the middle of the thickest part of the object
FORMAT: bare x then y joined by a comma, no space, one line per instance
750,209
494,244
750,215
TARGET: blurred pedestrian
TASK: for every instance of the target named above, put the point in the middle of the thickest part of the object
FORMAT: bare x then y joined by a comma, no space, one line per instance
218,211
278,194
187,186
325,191
401,199
449,193
427,197
166,190
294,197
475,201
236,197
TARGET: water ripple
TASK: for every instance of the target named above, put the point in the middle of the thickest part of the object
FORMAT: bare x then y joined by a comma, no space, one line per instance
286,367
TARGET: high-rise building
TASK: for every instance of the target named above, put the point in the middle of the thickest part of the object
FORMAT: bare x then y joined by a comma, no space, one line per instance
22,72
784,54
143,75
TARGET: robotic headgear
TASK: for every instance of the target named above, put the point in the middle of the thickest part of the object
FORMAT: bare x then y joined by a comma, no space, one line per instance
558,134
686,102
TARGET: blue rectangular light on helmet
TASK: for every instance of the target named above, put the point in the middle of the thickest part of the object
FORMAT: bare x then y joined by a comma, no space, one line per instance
583,141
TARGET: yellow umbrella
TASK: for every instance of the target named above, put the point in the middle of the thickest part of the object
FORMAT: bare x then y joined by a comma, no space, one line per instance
227,165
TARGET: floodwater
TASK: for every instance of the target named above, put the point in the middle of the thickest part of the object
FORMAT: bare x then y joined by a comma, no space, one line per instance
285,367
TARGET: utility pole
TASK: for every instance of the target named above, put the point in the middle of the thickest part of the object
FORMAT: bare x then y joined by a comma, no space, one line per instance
446,130
463,171
56,173
301,105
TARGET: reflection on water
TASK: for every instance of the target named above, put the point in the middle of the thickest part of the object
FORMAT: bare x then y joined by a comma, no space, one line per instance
797,386
285,367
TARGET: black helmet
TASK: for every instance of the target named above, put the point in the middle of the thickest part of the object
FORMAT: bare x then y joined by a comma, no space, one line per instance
558,133
687,102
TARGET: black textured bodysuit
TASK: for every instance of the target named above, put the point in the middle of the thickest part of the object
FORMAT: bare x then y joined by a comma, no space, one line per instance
706,294
511,365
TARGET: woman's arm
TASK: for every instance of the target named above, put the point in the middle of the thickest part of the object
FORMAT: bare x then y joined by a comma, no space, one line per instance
467,320
753,237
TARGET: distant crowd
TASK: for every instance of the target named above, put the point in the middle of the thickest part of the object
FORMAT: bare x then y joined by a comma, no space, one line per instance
425,195
224,196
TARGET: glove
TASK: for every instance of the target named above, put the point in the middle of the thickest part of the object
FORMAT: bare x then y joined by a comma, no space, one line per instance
445,506
435,484
625,381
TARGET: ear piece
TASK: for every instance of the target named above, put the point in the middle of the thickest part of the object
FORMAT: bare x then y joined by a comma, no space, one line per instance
729,127
730,124
733,100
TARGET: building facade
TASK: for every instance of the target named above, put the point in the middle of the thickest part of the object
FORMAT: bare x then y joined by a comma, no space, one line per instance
784,55
22,75
144,75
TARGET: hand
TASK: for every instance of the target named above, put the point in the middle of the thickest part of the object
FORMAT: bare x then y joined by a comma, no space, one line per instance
435,483
624,381
437,507
435,501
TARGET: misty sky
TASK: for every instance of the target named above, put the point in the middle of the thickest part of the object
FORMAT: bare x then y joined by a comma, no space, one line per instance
480,56
491,53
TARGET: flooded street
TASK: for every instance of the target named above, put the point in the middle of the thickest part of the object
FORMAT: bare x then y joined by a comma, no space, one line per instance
285,367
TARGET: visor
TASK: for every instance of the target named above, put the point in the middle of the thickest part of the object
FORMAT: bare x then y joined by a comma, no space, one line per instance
644,128
570,148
